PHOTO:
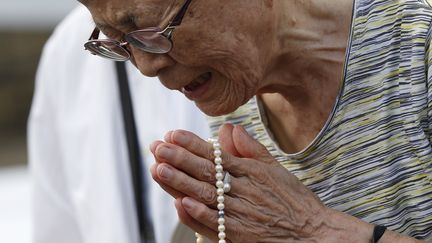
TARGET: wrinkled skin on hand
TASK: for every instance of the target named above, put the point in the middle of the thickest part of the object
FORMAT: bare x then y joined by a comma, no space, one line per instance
266,203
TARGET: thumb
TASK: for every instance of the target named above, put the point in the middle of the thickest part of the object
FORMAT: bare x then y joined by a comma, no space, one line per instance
226,139
248,147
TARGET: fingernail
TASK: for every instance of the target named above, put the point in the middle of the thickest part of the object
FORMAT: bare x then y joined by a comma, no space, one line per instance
164,152
164,171
243,130
188,204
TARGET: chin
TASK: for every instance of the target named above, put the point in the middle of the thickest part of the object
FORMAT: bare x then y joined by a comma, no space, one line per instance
226,98
217,109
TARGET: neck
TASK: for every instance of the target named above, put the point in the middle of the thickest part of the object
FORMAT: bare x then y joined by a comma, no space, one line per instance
309,46
305,74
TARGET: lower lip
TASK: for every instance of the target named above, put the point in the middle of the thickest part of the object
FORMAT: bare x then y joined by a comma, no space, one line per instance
199,92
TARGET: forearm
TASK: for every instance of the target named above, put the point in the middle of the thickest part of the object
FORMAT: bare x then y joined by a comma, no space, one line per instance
341,227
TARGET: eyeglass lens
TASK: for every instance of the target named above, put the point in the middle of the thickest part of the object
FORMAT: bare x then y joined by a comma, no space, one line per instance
150,41
153,40
108,49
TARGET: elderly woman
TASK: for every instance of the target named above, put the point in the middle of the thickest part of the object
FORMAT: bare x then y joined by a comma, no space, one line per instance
322,108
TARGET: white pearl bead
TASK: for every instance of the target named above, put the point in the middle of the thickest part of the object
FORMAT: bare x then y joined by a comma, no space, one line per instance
221,228
216,145
227,187
219,184
200,238
219,176
218,160
217,153
221,189
219,168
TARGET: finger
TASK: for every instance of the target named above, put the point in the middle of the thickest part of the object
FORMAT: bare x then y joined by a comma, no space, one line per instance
248,147
205,215
239,168
169,190
196,226
154,145
201,148
238,185
226,140
179,181
195,166
191,142
239,215
167,137
196,145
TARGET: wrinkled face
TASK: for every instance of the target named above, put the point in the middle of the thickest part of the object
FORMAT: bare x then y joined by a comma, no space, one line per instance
220,51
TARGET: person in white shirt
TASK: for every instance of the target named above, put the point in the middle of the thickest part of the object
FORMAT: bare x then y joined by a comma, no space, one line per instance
82,190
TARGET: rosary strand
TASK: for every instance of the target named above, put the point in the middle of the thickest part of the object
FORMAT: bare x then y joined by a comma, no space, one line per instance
222,186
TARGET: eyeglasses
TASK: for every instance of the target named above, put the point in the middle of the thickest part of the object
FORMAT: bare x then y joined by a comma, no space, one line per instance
152,40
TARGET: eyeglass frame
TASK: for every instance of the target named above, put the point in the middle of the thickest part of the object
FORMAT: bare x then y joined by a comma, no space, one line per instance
166,32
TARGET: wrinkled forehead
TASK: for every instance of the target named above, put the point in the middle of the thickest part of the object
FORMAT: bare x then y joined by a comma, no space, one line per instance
125,12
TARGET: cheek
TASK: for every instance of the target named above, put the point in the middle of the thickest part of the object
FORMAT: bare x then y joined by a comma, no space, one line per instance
235,60
233,56
235,83
240,66
151,64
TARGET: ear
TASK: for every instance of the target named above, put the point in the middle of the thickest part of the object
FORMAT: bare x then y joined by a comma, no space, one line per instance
226,139
248,147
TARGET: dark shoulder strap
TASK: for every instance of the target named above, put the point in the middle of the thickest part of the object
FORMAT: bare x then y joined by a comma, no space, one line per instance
135,159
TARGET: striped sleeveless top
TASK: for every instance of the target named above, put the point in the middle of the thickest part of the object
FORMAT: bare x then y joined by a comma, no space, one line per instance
373,158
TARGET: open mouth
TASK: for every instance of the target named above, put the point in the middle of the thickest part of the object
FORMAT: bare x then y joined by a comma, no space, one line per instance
197,83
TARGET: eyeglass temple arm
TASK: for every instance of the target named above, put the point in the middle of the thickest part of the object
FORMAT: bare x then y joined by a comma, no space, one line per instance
95,34
179,17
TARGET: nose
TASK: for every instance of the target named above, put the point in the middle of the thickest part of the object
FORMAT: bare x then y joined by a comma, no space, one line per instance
150,64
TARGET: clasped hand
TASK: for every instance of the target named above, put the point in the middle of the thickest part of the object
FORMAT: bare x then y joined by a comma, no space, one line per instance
266,202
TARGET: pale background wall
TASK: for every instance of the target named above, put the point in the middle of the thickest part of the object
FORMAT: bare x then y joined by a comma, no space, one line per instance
33,14
24,27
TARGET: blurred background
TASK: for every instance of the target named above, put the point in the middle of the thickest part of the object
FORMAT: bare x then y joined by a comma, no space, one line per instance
25,25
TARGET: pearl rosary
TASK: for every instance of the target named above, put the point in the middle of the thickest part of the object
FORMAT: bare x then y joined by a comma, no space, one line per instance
223,186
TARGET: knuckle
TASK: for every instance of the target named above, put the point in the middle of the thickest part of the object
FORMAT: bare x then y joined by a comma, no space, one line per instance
260,175
206,173
182,155
209,152
207,195
182,184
